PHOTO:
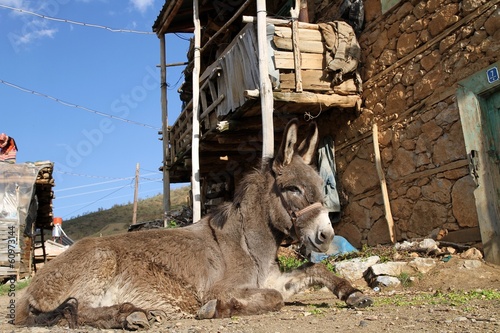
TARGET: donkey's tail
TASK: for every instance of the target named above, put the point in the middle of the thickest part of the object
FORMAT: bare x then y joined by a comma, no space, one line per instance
26,315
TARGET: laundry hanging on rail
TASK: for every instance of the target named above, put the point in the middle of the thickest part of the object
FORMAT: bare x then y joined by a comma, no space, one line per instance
327,171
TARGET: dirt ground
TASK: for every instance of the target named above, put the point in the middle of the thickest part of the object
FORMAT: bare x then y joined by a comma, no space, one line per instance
450,298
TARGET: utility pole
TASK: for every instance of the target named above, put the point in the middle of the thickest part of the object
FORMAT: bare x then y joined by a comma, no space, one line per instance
136,193
164,130
195,142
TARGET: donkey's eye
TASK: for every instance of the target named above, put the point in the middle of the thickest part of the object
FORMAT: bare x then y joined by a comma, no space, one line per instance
293,189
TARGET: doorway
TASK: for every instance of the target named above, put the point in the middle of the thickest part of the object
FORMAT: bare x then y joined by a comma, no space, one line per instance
478,100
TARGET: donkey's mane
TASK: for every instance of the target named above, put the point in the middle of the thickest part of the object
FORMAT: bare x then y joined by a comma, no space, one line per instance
223,212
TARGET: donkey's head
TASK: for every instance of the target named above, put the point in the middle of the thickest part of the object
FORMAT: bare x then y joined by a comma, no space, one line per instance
300,189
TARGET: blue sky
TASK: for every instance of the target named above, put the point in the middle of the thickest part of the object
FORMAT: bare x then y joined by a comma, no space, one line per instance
112,73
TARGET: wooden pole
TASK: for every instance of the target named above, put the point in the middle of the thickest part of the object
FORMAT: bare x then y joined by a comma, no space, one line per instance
136,193
195,144
383,185
295,46
266,94
164,130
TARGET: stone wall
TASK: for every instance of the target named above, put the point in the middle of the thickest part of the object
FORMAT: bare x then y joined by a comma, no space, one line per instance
412,58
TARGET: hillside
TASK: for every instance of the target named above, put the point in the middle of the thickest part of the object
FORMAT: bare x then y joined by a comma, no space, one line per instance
118,218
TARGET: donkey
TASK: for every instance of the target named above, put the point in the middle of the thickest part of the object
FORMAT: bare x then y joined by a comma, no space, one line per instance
222,266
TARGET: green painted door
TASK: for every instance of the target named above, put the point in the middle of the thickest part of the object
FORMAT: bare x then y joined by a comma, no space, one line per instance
490,107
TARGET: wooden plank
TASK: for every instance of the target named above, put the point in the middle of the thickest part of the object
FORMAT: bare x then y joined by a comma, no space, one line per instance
311,80
280,22
284,60
305,46
324,100
296,57
305,34
383,185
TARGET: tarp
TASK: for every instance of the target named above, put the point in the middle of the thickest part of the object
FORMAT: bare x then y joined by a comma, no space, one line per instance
17,183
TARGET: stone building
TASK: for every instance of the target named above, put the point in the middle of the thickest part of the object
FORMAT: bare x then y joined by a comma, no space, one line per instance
415,57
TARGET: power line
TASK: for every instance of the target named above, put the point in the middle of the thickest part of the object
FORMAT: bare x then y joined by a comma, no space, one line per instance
76,106
90,25
113,198
90,176
93,184
91,192
182,37
90,204
113,180
101,190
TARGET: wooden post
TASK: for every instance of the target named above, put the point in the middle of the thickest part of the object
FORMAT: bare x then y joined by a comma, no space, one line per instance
383,185
164,130
195,144
295,46
266,94
136,193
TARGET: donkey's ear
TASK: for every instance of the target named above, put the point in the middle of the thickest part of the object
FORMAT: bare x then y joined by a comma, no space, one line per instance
307,147
287,148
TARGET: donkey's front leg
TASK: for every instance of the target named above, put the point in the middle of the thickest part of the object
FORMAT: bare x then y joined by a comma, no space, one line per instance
311,274
241,301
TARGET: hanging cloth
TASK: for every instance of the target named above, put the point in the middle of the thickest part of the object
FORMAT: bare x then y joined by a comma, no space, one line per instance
327,171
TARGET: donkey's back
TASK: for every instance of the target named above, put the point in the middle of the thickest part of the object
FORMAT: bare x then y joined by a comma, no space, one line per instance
166,270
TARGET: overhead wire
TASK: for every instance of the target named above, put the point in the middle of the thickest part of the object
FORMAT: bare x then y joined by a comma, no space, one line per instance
121,196
102,190
76,106
91,25
90,204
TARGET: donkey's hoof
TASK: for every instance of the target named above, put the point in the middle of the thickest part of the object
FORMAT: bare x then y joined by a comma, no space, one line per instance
137,321
157,316
358,300
208,310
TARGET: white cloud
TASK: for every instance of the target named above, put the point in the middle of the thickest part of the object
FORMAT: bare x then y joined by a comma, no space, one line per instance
142,5
12,3
31,32
29,29
30,37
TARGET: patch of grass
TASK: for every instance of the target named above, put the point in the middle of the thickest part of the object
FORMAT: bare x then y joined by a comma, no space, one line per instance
289,263
6,288
453,298
405,279
172,224
317,309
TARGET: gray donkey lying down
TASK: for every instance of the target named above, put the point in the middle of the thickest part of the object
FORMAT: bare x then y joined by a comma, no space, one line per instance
224,265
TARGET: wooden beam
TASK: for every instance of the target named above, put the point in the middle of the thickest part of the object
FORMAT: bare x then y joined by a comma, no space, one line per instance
212,106
195,139
265,86
383,185
296,56
332,100
227,24
281,22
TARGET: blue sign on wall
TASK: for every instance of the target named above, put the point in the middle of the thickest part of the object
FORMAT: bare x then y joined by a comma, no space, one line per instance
492,74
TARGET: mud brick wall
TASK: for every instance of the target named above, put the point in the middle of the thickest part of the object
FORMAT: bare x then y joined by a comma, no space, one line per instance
413,56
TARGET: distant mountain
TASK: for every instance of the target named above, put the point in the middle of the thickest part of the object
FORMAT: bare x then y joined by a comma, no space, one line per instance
118,218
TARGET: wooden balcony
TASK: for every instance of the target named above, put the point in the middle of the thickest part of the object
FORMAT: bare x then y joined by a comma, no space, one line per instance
230,109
